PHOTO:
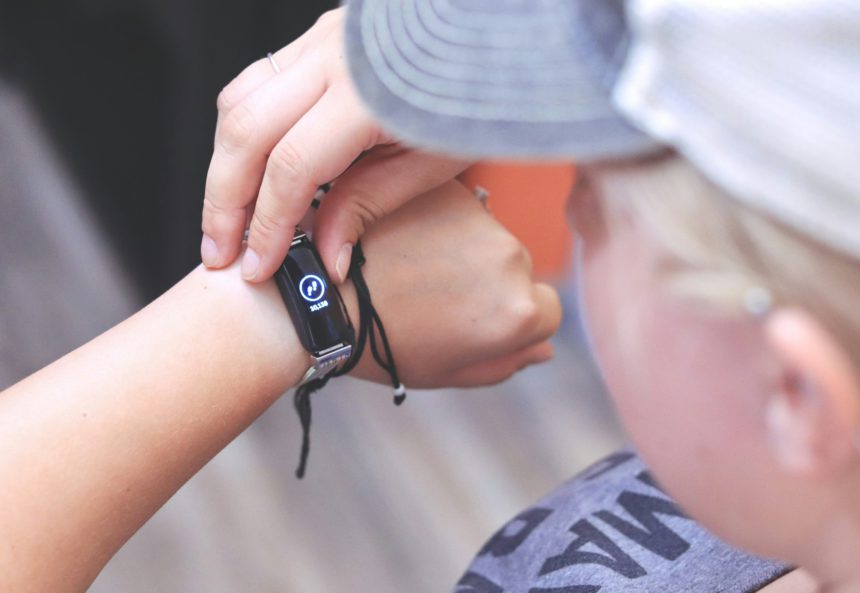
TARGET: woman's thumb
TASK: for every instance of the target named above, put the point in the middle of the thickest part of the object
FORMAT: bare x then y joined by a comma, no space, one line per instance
372,188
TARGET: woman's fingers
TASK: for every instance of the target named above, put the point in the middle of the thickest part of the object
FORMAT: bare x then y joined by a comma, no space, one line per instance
245,138
261,71
255,111
280,136
373,187
318,148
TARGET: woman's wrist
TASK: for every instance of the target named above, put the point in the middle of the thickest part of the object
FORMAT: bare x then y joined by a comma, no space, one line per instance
264,325
264,340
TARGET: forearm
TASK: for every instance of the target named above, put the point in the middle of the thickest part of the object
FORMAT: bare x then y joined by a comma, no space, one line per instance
95,443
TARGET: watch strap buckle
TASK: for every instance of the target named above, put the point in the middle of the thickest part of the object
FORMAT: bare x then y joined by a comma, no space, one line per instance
326,362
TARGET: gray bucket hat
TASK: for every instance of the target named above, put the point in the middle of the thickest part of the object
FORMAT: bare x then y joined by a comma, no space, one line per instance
495,78
763,96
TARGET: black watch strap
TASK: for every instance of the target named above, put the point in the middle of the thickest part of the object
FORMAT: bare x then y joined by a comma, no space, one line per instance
315,307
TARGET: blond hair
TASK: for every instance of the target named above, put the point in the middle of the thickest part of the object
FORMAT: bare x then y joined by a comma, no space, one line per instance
720,248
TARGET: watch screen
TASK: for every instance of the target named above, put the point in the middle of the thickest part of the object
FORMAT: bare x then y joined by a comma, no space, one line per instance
315,299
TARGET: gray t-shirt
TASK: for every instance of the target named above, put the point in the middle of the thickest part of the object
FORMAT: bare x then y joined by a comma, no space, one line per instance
612,529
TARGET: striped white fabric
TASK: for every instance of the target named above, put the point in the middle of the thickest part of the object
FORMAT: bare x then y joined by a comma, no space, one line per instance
483,77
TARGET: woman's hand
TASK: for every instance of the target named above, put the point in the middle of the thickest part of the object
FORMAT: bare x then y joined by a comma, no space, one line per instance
455,294
280,136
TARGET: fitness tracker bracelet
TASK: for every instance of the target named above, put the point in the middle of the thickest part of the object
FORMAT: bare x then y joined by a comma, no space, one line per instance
316,308
324,328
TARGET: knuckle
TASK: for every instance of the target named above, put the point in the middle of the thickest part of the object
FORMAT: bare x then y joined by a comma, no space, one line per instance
365,210
287,165
211,213
266,225
211,208
327,18
510,250
525,257
225,102
217,219
523,315
238,128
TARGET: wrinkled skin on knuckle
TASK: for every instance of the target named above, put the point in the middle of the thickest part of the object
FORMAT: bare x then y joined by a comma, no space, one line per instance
363,216
216,218
287,167
264,226
364,208
238,129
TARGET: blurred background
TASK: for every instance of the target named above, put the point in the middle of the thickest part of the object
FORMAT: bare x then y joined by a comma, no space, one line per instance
107,112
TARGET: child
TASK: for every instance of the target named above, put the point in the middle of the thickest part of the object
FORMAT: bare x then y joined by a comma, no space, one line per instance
720,222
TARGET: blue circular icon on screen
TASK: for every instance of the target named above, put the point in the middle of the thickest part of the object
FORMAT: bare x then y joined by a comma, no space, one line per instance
312,288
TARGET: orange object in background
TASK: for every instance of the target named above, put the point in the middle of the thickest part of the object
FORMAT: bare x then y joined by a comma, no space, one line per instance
529,199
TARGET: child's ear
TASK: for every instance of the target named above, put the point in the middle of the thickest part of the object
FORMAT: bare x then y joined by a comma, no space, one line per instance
813,414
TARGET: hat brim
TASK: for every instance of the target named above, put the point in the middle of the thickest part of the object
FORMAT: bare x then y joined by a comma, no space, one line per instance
483,78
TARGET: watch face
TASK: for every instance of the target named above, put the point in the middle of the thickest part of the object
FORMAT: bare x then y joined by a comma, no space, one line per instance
313,301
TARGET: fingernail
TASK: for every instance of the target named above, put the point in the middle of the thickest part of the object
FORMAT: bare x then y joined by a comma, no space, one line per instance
250,264
341,266
208,251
